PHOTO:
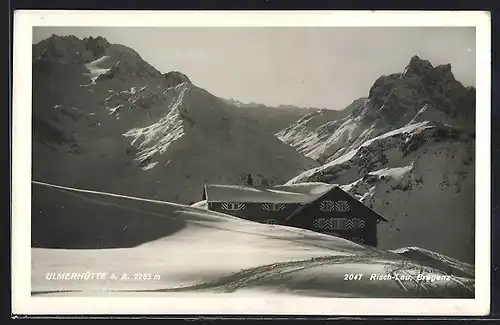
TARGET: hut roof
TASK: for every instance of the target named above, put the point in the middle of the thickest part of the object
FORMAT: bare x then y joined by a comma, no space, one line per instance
302,193
297,193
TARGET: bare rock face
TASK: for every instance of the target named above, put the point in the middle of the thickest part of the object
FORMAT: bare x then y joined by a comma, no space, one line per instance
70,49
174,78
94,48
398,97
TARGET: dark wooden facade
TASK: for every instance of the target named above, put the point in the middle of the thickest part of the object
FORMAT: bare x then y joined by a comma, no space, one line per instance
261,212
337,213
334,213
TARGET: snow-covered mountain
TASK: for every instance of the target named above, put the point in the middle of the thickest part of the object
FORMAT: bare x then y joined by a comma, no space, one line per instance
314,133
422,92
407,151
105,119
180,250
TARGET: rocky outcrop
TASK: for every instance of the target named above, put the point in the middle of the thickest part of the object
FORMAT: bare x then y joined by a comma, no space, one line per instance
174,78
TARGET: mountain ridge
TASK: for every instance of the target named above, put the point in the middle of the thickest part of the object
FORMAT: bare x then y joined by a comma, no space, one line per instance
393,101
128,128
407,151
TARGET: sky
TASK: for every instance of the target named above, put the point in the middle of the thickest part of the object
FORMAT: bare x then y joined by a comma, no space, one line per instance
323,67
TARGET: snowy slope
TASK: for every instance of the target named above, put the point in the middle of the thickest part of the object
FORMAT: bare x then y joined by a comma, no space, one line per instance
419,177
407,151
105,119
321,133
185,249
437,260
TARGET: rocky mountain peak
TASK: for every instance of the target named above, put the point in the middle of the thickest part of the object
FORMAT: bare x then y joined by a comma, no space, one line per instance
418,67
97,41
396,97
423,71
444,73
174,78
63,49
95,46
70,49
95,52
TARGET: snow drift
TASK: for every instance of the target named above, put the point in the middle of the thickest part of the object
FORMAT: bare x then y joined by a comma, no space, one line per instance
186,249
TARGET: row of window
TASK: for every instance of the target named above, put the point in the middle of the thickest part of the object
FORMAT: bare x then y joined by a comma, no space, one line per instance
340,206
327,206
233,206
272,206
338,223
265,206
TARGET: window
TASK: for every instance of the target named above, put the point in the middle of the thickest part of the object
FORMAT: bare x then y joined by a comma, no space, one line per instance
359,223
330,223
319,223
273,206
335,223
340,206
327,206
233,206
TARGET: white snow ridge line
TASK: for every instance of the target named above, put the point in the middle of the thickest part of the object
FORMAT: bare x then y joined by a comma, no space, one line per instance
103,193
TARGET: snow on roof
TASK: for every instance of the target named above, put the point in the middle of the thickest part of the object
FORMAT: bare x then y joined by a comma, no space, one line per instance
302,193
296,193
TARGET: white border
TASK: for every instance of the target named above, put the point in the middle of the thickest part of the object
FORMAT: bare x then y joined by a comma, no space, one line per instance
22,301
